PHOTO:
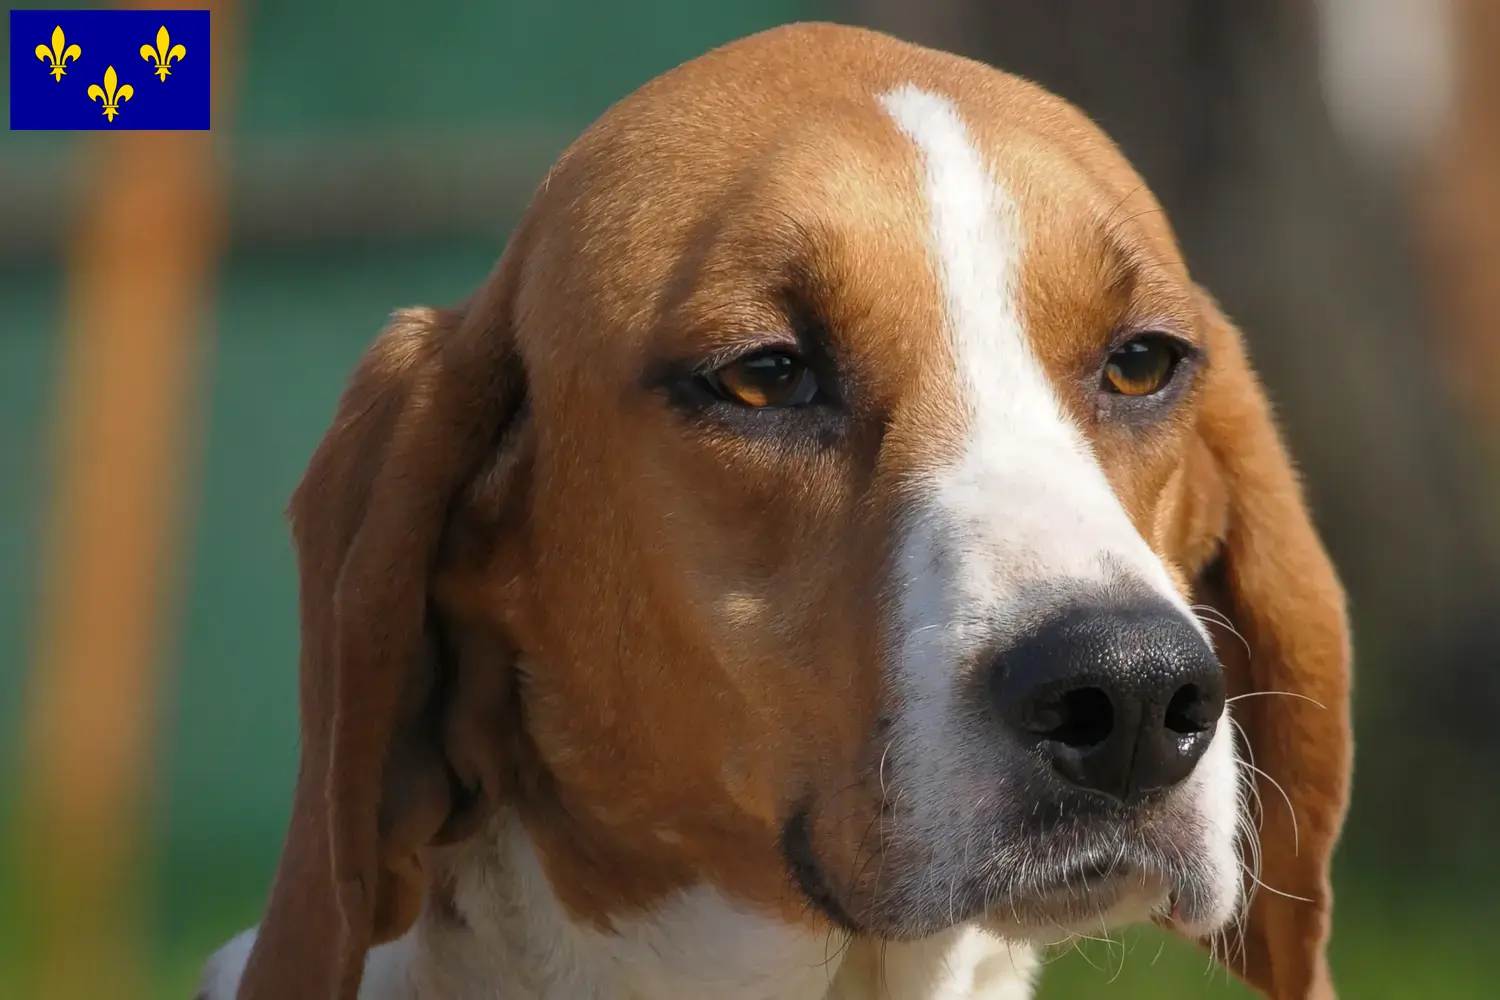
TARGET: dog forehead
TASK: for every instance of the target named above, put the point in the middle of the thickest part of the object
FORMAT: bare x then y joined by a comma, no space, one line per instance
680,211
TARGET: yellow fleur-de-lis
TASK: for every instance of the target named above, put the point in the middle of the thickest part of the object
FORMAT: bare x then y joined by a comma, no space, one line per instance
59,54
163,53
110,95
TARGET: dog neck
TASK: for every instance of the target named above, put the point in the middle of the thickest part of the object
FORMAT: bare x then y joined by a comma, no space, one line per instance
497,929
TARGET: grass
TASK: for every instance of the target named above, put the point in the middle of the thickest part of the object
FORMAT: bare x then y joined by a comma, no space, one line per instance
1390,943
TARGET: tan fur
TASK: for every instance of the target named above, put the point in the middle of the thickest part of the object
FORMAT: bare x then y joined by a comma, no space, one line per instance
523,584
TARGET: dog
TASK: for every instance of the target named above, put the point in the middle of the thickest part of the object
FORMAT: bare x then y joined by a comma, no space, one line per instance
838,552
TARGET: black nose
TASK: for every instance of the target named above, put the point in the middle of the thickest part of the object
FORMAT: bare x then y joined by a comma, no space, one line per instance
1122,701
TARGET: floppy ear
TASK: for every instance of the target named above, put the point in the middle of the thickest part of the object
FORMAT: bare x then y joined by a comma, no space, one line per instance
379,782
1264,570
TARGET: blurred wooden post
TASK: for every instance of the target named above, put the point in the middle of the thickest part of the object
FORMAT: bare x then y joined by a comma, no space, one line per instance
140,271
1464,223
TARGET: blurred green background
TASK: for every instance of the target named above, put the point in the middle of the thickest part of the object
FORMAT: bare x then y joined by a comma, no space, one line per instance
379,155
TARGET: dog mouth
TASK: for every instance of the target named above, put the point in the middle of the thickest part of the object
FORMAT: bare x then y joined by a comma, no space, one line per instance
1089,875
1056,893
802,862
1065,899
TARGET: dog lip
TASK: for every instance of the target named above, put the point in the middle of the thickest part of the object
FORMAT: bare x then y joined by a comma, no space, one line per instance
1091,872
1087,880
1074,901
1064,888
802,864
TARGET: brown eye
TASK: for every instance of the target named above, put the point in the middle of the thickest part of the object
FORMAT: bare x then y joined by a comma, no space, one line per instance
1141,367
766,379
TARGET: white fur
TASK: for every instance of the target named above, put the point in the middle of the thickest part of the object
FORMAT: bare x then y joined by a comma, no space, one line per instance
698,945
1024,503
521,945
225,967
1216,785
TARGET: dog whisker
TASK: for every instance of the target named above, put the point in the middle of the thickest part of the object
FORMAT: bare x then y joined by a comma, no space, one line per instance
1296,835
1282,694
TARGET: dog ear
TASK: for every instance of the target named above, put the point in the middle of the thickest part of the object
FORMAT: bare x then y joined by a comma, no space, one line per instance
1284,640
378,783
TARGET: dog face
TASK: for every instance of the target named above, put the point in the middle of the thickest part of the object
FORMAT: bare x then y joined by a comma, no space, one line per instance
1055,710
813,506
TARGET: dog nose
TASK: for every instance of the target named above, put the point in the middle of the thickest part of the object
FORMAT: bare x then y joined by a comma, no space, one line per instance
1123,702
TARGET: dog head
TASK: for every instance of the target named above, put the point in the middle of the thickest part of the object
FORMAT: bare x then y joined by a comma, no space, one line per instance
839,495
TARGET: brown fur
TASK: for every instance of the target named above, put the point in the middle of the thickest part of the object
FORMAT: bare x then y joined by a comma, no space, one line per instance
1274,582
524,583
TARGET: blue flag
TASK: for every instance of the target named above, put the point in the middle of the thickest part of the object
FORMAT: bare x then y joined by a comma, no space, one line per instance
109,69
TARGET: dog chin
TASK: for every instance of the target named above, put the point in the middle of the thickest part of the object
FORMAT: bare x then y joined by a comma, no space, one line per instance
1083,904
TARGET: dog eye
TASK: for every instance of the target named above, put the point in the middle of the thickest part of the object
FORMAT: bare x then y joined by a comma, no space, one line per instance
766,379
1142,367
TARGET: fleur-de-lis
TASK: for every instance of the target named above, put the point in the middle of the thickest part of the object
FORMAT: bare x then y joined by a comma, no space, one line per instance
163,53
110,95
59,54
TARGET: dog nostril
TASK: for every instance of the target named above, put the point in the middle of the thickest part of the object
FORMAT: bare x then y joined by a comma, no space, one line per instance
1083,717
1190,712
